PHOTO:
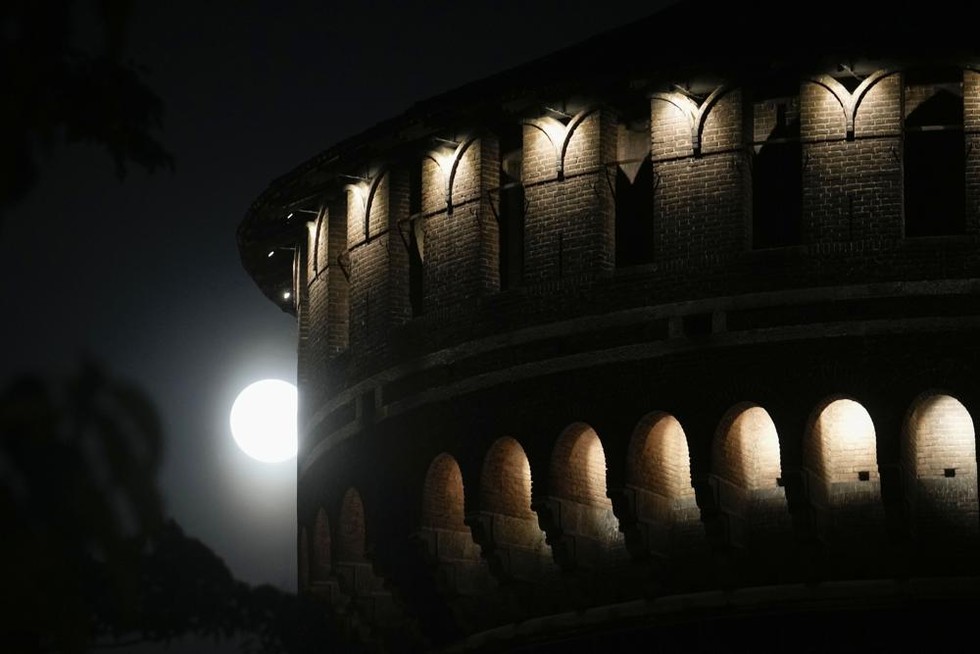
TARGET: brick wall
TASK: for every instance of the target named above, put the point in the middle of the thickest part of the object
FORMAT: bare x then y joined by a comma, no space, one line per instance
460,251
699,202
379,297
971,127
570,223
852,190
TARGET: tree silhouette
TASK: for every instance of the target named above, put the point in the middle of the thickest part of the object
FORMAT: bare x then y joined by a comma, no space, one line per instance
86,558
79,463
55,91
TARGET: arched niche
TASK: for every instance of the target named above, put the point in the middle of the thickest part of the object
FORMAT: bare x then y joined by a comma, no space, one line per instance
940,468
505,481
320,560
355,575
577,514
841,463
442,495
444,532
505,527
578,467
745,468
659,461
659,475
351,535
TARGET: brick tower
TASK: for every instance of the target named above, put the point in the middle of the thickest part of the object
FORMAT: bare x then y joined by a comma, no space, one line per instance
641,337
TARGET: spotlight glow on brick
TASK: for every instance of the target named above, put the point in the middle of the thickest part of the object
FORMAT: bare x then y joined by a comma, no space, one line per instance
263,420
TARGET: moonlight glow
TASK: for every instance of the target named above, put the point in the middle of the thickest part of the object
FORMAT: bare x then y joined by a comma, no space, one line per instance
263,420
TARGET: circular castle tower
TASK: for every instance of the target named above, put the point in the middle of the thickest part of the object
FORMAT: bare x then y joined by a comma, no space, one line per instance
677,325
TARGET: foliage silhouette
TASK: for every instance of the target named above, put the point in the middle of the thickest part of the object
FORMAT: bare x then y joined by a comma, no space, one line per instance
55,91
86,557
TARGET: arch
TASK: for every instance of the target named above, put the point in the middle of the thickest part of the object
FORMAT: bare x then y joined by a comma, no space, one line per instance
320,244
560,134
939,464
696,113
320,559
839,445
442,494
746,476
849,101
505,480
578,466
365,191
658,458
745,451
351,537
451,177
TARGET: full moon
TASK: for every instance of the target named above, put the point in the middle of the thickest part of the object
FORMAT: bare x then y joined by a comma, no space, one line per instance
263,420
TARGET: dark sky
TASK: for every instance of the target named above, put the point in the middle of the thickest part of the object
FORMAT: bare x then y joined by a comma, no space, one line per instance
144,276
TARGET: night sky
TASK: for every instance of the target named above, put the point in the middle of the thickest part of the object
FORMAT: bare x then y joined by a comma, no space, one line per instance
144,276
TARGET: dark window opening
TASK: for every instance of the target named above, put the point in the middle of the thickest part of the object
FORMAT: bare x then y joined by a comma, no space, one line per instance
415,271
864,475
935,154
634,214
949,473
510,209
777,170
415,189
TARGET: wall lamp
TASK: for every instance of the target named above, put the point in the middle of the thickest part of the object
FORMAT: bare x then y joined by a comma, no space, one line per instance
272,252
295,211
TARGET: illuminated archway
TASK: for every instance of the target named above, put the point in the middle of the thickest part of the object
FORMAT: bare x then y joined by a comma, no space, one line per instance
940,467
506,528
442,495
746,473
578,467
659,460
659,475
746,449
505,481
841,462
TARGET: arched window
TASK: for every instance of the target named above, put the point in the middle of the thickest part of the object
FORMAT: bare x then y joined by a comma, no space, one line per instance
935,153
